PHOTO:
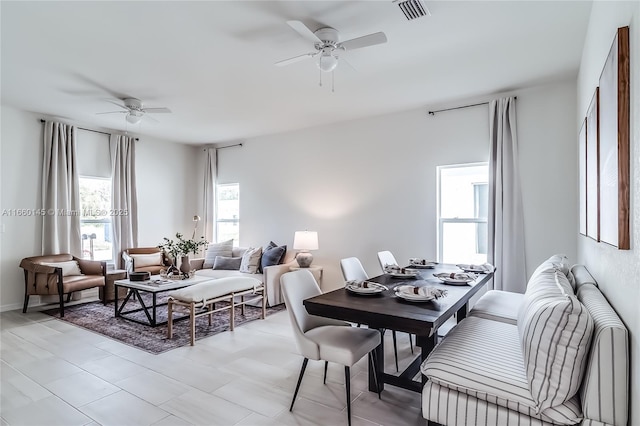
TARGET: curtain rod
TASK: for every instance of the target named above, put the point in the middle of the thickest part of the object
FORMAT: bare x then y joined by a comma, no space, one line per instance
90,130
460,107
222,147
229,146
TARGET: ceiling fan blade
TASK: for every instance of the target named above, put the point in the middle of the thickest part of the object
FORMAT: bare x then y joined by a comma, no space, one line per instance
156,110
117,104
364,41
113,112
150,118
295,59
304,31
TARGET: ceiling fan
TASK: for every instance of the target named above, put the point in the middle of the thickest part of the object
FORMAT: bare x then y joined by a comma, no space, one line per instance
135,110
328,46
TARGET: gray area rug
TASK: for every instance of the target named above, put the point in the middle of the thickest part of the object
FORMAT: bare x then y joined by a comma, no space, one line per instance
99,318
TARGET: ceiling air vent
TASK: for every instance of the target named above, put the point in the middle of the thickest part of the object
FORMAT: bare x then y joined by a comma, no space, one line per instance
413,9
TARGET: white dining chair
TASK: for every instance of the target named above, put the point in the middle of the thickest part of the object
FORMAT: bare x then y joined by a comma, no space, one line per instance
326,339
386,258
352,269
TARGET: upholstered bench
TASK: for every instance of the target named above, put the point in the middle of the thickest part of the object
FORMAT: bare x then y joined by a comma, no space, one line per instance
200,299
559,356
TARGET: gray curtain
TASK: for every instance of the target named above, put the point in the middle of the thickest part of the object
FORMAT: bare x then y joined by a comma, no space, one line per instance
60,191
209,195
123,195
506,221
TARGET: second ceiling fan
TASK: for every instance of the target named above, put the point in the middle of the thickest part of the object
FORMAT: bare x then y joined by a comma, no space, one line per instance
328,46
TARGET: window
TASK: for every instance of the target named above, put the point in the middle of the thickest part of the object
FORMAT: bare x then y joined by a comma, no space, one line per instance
228,212
462,213
95,220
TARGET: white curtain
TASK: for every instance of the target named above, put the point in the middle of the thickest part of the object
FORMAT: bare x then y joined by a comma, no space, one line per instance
209,196
506,221
60,191
124,202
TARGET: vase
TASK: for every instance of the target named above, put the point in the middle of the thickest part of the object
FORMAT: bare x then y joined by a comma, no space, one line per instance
185,265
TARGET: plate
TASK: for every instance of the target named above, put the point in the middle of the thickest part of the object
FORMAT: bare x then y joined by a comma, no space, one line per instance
405,275
409,298
455,278
371,289
422,263
478,269
407,292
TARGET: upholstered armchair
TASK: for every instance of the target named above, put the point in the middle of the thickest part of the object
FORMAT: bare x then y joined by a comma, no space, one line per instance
60,274
145,259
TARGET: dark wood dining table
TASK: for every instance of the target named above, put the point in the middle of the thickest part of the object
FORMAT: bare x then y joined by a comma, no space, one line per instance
386,311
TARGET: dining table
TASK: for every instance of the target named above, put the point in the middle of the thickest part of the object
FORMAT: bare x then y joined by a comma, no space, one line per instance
385,310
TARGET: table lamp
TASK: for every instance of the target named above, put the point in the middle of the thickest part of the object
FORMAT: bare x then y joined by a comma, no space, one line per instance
305,241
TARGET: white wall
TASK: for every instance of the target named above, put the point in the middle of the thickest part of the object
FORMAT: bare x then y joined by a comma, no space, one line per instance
616,271
370,185
166,199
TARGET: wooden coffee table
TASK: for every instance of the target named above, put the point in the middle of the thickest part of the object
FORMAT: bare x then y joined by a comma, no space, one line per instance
153,286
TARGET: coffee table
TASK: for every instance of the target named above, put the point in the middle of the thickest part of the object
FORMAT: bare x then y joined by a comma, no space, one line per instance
153,286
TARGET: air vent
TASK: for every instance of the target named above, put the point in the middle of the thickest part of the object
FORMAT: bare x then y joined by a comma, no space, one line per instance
413,9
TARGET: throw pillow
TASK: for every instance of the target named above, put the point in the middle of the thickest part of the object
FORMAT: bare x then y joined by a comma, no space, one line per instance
223,249
144,260
272,255
251,260
69,267
555,333
227,263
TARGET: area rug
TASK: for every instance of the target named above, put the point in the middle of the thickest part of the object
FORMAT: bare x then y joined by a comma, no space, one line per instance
99,318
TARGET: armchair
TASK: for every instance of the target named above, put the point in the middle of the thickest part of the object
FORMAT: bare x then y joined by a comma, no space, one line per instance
42,276
145,259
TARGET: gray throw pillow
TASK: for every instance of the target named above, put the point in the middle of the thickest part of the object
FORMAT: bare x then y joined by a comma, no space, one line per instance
227,263
223,249
272,254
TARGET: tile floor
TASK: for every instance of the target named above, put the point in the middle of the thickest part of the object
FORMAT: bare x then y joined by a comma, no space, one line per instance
53,373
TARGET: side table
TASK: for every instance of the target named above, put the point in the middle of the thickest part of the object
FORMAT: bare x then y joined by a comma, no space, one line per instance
315,270
107,290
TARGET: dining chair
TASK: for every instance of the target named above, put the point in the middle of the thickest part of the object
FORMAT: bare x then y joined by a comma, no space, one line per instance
326,339
386,258
352,269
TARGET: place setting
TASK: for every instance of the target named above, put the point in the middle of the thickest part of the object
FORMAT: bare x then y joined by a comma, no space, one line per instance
485,268
420,263
456,278
411,293
395,271
365,288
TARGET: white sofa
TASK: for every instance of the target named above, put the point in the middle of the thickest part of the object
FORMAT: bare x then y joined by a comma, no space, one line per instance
270,276
486,371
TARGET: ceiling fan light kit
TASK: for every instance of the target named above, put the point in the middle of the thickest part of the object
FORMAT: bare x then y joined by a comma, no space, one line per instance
326,42
327,62
135,110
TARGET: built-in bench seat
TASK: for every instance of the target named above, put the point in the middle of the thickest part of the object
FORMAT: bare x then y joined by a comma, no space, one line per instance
556,355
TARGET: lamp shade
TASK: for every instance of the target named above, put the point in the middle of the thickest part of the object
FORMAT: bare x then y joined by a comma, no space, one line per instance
305,240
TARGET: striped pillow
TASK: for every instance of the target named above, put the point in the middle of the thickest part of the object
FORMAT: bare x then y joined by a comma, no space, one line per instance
223,249
251,260
555,332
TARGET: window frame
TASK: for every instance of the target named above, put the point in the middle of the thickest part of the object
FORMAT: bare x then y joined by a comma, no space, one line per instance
442,221
108,219
235,221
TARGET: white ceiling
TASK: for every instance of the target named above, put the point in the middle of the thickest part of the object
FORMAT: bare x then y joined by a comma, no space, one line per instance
211,62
